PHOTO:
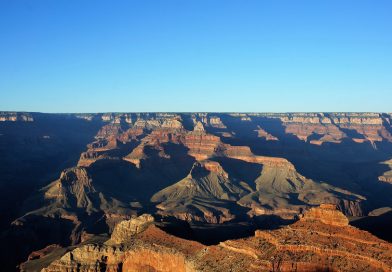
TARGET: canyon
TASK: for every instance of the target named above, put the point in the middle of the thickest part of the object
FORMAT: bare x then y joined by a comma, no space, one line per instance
314,243
74,184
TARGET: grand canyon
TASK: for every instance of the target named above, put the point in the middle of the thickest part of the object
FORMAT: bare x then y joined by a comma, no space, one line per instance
196,191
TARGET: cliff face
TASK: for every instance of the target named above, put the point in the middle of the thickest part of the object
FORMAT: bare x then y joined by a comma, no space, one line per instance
326,214
318,128
318,241
126,229
135,245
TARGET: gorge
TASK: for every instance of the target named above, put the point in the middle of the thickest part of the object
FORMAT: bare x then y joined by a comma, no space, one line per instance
212,184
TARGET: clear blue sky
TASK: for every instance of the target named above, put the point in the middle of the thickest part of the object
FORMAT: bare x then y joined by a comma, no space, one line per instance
195,55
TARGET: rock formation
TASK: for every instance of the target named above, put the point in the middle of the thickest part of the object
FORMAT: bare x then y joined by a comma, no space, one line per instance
124,230
387,176
318,244
327,214
203,168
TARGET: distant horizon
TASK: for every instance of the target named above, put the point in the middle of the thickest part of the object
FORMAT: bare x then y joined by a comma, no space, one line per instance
196,56
181,112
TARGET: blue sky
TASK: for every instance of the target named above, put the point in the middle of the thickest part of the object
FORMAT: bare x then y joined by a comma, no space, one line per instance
195,55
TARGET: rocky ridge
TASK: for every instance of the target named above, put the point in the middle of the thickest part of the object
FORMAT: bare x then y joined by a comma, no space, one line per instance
124,230
307,245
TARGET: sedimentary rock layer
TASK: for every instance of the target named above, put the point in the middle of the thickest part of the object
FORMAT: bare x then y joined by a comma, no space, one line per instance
313,243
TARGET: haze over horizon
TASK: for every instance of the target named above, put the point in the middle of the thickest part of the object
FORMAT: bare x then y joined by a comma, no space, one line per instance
196,56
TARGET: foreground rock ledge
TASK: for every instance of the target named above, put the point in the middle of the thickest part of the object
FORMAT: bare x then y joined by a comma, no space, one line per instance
321,240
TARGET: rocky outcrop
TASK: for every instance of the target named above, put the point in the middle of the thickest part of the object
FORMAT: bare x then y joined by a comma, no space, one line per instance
143,247
216,122
261,133
73,186
124,230
307,245
385,179
387,176
327,214
215,167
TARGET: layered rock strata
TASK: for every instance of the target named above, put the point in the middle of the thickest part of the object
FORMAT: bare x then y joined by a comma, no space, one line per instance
307,245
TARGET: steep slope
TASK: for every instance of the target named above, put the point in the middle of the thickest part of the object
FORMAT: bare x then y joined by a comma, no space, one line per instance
72,189
206,194
280,189
210,194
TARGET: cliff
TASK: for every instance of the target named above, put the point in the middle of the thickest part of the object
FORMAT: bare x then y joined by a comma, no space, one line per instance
307,245
124,230
326,214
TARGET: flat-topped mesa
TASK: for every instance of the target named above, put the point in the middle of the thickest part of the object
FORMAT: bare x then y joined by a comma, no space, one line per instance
305,119
126,229
211,166
201,146
327,214
243,153
274,162
172,123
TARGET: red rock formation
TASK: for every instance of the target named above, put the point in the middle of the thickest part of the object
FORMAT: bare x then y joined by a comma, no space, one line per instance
307,245
330,127
151,260
327,214
124,230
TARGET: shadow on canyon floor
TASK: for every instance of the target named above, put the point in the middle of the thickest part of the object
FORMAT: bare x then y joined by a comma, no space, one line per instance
379,226
212,234
342,164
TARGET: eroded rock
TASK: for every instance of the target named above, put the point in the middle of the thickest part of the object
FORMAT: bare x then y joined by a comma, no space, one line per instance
126,229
